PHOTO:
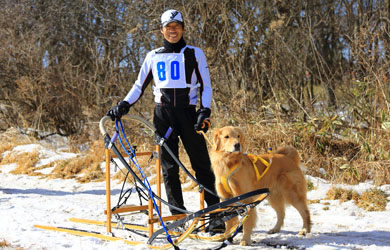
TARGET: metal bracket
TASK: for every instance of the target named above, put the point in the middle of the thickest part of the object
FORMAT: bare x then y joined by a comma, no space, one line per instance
155,154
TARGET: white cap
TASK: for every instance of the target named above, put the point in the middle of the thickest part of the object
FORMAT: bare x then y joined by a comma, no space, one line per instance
170,16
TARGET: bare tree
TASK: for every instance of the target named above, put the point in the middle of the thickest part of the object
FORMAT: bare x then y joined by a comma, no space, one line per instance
64,63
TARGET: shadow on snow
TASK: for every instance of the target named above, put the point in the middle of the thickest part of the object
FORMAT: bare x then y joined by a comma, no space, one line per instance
55,192
335,239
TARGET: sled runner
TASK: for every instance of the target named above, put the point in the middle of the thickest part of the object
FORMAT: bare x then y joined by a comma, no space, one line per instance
174,228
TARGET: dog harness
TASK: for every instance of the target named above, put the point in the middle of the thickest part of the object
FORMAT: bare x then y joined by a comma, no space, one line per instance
253,158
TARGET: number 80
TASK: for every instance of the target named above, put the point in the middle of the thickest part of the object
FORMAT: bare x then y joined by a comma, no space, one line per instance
175,70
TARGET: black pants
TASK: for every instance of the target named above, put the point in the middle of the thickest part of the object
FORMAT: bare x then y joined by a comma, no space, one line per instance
182,121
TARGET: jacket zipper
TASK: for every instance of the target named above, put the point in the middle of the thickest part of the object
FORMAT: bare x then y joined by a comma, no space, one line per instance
174,97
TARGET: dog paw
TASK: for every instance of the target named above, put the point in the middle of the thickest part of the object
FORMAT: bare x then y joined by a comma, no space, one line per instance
274,231
245,243
303,232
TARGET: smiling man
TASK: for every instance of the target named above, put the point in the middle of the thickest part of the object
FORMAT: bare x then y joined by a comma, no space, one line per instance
172,30
181,78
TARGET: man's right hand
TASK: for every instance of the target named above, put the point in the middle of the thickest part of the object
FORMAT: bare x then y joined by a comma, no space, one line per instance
119,110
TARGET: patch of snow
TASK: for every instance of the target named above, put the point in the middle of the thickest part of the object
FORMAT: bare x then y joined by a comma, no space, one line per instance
29,200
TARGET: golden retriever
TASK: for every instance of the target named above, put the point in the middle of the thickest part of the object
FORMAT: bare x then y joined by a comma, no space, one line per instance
235,174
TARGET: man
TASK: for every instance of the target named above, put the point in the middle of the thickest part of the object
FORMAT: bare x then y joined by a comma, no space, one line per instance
179,72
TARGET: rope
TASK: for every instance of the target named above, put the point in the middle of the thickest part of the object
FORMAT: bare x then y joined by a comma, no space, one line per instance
145,179
136,188
136,178
205,136
188,172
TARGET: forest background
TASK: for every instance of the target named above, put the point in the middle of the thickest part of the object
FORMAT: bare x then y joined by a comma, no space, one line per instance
309,73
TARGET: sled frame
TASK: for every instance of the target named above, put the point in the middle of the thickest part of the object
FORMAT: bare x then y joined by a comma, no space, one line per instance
132,208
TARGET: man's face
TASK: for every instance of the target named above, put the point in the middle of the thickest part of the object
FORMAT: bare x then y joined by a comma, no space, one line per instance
173,32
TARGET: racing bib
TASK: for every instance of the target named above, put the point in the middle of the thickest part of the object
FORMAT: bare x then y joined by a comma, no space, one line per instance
168,70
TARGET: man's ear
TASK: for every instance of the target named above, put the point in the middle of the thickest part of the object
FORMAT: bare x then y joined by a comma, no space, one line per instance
216,140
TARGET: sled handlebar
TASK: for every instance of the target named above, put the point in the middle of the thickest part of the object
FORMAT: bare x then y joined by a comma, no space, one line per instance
101,125
103,130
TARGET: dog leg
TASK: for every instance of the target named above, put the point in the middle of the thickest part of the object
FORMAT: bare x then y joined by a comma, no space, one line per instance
230,223
299,201
249,224
305,214
277,203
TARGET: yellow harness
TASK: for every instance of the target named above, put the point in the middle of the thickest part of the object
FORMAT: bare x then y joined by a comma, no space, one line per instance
253,158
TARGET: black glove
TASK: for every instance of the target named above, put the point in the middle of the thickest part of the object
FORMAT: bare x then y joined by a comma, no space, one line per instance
119,110
203,121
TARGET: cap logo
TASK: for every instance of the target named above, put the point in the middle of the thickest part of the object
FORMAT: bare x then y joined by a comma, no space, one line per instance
174,14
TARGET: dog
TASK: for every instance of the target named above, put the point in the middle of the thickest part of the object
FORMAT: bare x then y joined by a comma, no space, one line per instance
237,173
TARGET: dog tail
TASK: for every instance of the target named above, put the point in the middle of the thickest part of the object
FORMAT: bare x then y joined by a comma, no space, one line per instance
290,152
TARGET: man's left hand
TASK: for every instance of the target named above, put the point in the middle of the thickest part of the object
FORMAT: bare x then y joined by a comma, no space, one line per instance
203,121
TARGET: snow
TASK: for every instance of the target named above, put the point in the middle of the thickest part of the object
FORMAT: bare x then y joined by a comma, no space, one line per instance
29,200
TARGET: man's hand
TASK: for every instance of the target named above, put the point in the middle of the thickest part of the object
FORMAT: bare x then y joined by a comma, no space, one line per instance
203,121
119,110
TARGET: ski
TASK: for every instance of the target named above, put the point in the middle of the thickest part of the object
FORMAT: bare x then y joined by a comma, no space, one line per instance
81,232
214,238
195,217
115,224
102,236
263,193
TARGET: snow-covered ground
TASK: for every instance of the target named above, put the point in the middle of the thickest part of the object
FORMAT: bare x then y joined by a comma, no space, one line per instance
27,200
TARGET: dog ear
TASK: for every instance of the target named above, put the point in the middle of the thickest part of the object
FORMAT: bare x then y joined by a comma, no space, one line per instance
216,140
242,139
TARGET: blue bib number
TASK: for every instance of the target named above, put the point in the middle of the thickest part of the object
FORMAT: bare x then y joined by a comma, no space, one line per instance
175,70
162,74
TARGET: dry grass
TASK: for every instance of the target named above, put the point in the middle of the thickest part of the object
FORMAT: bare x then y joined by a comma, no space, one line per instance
4,148
12,138
342,194
328,147
119,175
84,168
313,201
25,162
310,185
371,200
4,244
343,159
145,162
